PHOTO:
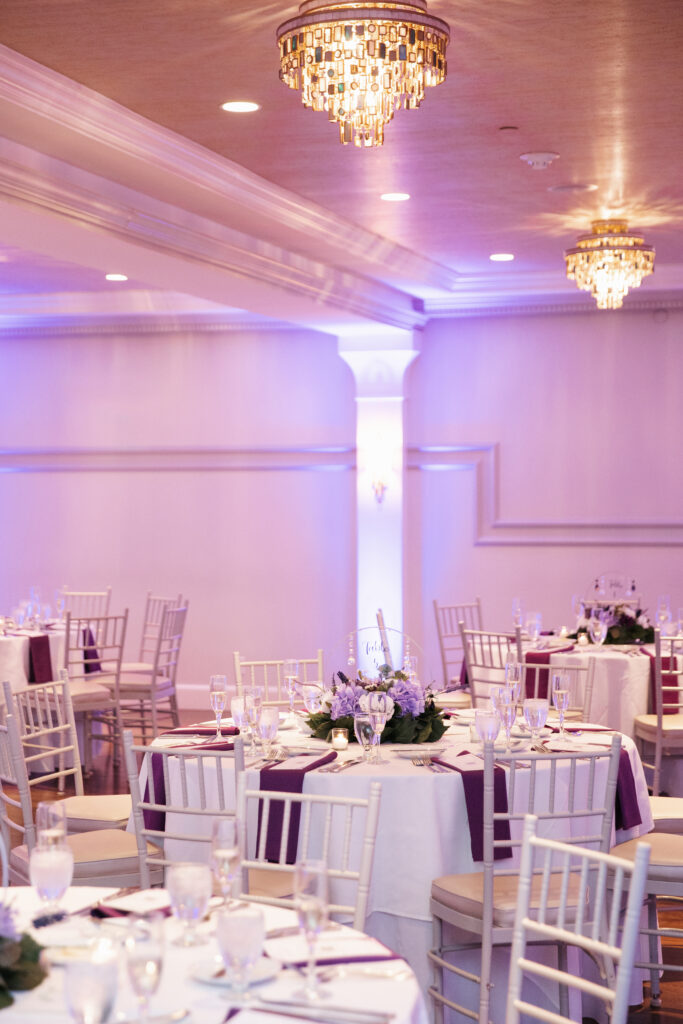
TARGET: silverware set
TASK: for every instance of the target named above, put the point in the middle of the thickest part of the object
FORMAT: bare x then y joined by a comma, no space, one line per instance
426,762
340,766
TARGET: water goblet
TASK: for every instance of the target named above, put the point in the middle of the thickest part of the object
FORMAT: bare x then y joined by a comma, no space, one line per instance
311,902
189,890
487,724
268,725
533,626
559,688
312,695
378,709
240,934
144,944
499,695
535,714
362,727
225,855
218,686
90,984
597,626
238,712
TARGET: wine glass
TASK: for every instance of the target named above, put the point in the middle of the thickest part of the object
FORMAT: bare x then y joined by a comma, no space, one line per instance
377,712
238,712
535,714
362,727
240,933
218,686
290,672
597,626
533,626
487,724
312,695
559,688
513,675
268,725
253,696
189,890
51,863
225,855
516,611
144,945
90,985
663,612
311,902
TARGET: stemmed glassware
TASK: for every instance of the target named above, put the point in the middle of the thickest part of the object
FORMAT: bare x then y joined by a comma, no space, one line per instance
507,712
225,855
597,626
514,671
311,902
487,724
290,672
378,706
90,985
240,933
559,688
362,727
535,714
268,725
51,863
516,611
218,686
144,945
238,712
533,627
664,613
189,890
311,694
253,696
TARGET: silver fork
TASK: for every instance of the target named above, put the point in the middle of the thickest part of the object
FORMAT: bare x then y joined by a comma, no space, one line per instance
426,762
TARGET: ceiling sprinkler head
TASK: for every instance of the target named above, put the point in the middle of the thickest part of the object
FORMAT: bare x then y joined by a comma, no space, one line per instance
539,161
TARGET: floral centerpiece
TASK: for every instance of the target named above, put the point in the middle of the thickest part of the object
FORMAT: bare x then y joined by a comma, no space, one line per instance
413,716
20,965
625,624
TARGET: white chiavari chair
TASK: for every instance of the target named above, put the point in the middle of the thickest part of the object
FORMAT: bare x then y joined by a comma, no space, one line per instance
155,607
448,617
485,656
270,675
86,603
660,734
579,678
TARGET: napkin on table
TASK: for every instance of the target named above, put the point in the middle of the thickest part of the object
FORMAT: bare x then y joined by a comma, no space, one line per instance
39,660
289,779
541,658
472,774
156,819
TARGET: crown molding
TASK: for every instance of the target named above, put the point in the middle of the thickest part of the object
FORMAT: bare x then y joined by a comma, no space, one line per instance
49,96
115,326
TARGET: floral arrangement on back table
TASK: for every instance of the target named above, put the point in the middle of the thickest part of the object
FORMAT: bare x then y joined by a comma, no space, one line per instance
625,624
413,716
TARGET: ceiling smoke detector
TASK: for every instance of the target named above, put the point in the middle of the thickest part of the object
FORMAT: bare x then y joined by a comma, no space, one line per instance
539,161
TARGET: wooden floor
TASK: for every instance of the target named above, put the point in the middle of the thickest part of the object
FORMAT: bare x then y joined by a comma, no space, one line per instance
106,779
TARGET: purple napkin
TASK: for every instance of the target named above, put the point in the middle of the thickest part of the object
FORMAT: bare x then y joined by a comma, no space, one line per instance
91,659
39,660
285,780
540,658
156,819
202,730
473,785
626,809
668,696
330,961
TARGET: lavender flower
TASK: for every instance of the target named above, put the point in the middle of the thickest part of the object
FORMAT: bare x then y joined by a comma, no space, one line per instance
345,700
409,696
8,924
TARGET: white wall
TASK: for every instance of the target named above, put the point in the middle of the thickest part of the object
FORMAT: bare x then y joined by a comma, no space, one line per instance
587,414
265,555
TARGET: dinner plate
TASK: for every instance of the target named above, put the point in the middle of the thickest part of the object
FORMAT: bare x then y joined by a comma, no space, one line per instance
417,749
212,974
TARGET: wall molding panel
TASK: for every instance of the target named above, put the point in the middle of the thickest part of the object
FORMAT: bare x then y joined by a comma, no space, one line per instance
491,529
176,460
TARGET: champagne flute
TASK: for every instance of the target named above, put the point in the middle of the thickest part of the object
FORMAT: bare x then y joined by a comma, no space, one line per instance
290,671
508,714
536,714
311,902
218,686
144,945
513,675
90,985
559,688
189,890
268,725
240,934
225,855
254,698
377,712
362,727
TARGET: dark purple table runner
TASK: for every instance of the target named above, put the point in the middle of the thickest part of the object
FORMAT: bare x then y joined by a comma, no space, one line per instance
534,658
91,658
473,785
626,809
668,696
285,780
39,659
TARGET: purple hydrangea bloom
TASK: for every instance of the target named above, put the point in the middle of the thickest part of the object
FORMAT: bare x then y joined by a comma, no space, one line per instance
345,700
8,924
409,696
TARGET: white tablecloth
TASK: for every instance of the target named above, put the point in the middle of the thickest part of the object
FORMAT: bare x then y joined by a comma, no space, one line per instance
14,657
209,1004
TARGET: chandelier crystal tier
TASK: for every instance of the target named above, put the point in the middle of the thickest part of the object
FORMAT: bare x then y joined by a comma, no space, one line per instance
361,63
609,261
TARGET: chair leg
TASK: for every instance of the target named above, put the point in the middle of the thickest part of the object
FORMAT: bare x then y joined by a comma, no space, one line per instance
437,972
564,991
653,940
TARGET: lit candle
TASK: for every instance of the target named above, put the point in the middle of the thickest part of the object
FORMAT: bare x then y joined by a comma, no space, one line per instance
340,739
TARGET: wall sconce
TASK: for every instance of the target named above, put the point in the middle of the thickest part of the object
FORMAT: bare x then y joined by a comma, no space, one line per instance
379,487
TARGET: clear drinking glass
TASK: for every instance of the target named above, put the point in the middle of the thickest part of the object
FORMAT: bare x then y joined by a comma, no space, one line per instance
189,890
253,696
51,863
663,612
218,687
559,688
311,902
597,627
507,714
311,694
240,934
90,985
517,611
225,855
290,672
144,945
487,724
362,727
268,725
533,625
377,713
535,714
514,671
238,711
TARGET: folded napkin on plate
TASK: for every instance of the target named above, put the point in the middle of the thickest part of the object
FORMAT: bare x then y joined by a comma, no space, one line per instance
668,679
333,947
146,901
473,784
534,658
626,809
39,660
202,730
91,658
155,818
290,779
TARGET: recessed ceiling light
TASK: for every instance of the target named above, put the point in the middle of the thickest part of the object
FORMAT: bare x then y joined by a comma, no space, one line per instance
539,161
501,257
115,277
240,107
395,197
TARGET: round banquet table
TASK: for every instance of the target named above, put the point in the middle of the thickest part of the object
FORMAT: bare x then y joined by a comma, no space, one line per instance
386,986
422,834
14,656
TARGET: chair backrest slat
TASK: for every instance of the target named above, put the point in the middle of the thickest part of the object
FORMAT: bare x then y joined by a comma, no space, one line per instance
270,675
485,657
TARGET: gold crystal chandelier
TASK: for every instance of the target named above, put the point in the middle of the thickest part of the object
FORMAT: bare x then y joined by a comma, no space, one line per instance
361,63
609,261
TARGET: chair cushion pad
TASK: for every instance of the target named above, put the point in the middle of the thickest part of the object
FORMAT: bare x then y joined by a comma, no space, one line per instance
95,812
465,894
667,812
666,854
672,726
98,853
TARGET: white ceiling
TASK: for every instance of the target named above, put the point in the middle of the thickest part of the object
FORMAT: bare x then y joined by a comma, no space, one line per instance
268,212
